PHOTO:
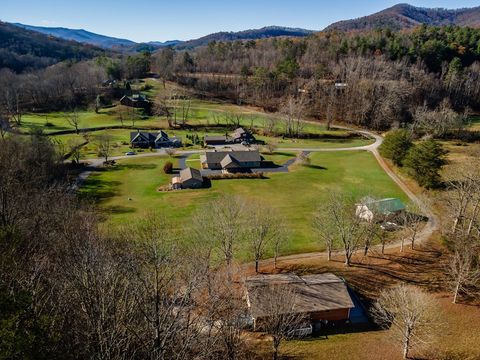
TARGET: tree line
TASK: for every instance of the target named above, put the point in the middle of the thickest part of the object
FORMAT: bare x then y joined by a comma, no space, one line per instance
390,76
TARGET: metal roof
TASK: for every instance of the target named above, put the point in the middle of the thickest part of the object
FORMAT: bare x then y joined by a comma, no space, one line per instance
384,206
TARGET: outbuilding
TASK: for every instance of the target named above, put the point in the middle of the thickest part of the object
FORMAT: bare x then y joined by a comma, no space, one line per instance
191,178
370,209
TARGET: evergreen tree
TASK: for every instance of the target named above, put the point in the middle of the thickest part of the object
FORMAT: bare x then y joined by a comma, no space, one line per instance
424,162
396,145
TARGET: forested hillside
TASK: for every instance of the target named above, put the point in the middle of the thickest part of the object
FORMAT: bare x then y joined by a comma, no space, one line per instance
404,16
255,34
389,75
81,36
21,49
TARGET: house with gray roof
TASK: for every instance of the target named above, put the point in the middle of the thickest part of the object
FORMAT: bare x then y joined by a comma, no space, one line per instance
319,298
231,161
157,140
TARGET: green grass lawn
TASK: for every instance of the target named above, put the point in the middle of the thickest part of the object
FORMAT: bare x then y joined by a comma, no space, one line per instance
121,141
211,114
58,121
129,191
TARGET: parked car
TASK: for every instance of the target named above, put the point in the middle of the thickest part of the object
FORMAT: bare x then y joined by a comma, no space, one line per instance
130,153
389,226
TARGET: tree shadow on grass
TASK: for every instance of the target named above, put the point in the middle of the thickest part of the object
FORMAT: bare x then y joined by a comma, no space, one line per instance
421,269
118,210
132,167
284,153
99,190
316,167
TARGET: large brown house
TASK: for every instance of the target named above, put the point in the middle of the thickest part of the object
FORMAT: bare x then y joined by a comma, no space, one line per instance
321,298
231,161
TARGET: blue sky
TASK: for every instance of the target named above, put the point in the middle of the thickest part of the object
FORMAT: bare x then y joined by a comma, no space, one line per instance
149,20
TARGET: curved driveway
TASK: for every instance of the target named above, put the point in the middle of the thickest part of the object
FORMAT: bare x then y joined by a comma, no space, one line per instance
431,226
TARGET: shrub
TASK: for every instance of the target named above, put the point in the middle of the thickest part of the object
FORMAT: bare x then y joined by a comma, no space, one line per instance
396,145
168,167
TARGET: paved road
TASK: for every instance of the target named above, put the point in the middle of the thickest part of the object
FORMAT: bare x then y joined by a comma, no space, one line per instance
431,226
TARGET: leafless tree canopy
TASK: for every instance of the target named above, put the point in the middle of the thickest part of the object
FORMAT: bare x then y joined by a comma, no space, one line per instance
338,225
280,316
411,316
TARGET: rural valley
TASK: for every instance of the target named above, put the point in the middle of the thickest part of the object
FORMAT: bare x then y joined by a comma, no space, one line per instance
272,193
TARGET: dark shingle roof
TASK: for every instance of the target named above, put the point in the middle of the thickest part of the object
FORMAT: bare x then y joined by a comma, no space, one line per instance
146,136
313,293
191,173
239,156
229,162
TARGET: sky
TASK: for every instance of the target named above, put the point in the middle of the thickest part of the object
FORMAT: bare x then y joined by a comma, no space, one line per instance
160,20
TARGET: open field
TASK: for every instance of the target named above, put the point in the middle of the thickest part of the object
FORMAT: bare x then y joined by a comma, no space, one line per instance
129,190
205,117
121,141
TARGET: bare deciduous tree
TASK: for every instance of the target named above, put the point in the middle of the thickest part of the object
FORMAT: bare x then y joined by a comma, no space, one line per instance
226,225
170,151
412,221
75,149
225,311
463,199
293,110
264,226
280,316
321,222
269,125
464,268
104,145
342,225
73,119
165,289
411,315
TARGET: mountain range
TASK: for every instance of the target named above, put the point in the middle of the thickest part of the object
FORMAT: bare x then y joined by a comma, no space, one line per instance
253,34
398,17
87,37
108,42
67,42
404,16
